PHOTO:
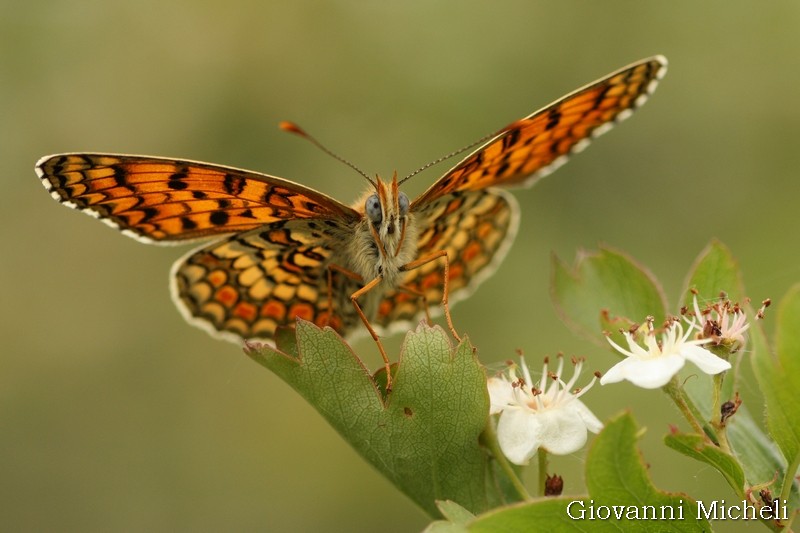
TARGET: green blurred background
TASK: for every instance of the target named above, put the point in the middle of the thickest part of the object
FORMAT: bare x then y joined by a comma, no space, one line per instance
117,415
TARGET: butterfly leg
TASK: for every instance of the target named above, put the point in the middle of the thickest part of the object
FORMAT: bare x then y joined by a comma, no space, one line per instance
347,273
422,298
354,299
427,259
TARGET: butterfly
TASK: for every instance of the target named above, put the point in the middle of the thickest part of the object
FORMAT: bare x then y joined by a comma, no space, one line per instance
282,251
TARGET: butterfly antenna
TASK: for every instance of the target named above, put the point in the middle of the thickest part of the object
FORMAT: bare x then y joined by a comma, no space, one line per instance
453,154
291,127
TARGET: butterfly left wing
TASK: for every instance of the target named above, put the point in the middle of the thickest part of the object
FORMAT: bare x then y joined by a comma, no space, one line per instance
160,200
476,228
536,145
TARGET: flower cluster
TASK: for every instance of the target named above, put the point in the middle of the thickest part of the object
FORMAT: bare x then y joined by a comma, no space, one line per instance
551,416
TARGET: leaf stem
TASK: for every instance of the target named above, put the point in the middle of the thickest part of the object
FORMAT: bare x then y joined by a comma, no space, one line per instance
489,437
686,406
541,454
788,478
716,415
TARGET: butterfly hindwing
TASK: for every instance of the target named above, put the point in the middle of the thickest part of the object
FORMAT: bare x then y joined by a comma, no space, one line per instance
249,284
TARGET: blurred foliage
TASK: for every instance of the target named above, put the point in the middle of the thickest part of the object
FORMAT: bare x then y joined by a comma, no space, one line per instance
115,414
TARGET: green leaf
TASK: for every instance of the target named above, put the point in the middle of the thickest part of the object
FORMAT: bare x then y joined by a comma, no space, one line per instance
714,271
604,282
424,437
757,454
615,476
443,526
778,375
699,448
500,488
782,404
542,514
456,518
454,512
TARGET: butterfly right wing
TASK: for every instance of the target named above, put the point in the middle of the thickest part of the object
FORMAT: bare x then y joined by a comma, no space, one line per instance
159,200
251,283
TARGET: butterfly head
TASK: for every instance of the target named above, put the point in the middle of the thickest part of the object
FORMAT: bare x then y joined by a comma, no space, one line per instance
386,212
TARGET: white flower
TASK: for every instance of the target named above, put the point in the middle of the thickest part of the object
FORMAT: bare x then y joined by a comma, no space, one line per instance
549,417
724,323
654,365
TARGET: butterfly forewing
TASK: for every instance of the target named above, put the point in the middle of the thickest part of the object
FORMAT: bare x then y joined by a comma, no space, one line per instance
536,145
156,199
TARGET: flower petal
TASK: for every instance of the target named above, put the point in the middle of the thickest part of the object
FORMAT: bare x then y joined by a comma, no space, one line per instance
563,431
592,423
519,434
500,394
704,359
645,373
615,374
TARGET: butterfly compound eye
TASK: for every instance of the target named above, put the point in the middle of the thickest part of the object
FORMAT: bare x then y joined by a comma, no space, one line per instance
373,209
403,202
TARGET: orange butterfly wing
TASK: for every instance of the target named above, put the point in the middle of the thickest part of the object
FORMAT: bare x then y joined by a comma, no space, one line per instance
536,145
159,200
